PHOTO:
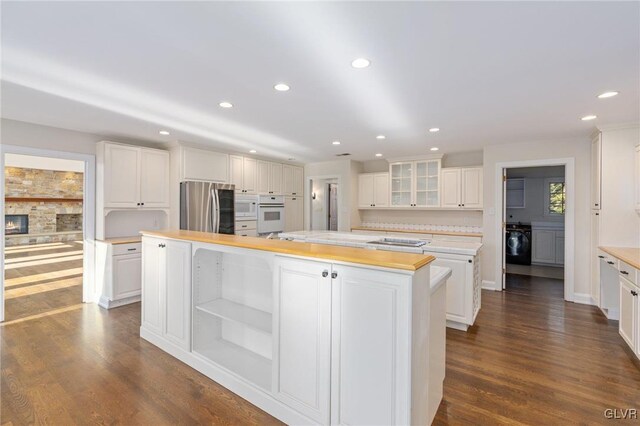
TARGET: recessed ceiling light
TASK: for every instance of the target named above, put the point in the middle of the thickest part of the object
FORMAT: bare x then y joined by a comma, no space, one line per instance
252,151
434,129
589,117
281,87
164,132
607,95
378,155
360,63
290,158
381,137
336,142
435,148
226,104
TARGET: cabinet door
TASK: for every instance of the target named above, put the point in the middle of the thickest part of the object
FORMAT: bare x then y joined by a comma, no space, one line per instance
427,185
595,261
235,171
628,312
451,186
370,370
121,176
543,248
127,276
249,174
152,263
472,188
200,164
298,222
154,178
302,336
289,214
459,289
298,181
177,293
596,171
401,184
275,178
559,249
262,184
381,190
287,180
365,190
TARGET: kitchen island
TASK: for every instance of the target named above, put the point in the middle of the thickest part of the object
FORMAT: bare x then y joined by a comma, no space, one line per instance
310,333
462,257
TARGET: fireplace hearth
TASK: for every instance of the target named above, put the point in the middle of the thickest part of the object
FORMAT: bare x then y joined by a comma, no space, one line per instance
15,224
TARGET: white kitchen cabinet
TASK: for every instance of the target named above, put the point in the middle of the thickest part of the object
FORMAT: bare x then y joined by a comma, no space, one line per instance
275,178
547,246
118,273
302,336
293,213
202,164
462,188
166,290
515,194
292,180
262,176
132,177
244,174
629,315
373,190
415,183
596,172
246,228
637,179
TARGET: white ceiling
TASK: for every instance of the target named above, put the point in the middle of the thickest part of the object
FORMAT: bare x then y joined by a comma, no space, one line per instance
485,73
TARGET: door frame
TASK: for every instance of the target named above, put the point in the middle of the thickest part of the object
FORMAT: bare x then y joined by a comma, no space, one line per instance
569,218
308,197
88,214
329,205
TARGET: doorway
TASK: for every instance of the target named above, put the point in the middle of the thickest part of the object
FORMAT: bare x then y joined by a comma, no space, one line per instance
324,204
48,233
535,220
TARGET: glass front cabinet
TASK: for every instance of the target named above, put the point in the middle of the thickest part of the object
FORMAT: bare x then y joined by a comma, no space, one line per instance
415,183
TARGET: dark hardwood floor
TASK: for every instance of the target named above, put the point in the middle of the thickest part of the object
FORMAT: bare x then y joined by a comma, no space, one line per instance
41,279
530,359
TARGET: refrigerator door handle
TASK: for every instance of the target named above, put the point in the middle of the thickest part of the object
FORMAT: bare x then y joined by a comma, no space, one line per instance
208,218
217,211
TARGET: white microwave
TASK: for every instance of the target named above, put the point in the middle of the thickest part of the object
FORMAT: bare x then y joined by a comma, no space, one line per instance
246,207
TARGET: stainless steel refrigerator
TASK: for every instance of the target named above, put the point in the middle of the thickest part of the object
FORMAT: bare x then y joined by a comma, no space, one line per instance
207,207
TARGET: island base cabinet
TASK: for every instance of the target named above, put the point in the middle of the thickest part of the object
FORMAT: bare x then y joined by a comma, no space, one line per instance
629,315
370,371
302,325
166,289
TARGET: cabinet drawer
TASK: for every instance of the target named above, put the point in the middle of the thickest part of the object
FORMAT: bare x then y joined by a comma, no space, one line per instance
629,272
608,259
120,249
246,224
247,233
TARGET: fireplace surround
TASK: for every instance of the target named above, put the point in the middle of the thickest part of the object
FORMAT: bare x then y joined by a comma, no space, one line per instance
16,224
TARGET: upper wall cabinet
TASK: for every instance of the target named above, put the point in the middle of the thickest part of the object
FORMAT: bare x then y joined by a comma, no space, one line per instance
244,172
462,188
133,177
269,177
596,171
200,164
373,190
292,180
415,183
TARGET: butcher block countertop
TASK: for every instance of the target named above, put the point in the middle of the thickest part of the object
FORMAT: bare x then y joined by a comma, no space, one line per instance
122,240
413,231
630,255
379,258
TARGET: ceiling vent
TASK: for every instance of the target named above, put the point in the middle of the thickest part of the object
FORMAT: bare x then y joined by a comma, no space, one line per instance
344,154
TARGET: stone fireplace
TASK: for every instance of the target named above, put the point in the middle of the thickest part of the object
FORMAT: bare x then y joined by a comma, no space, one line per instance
68,222
15,224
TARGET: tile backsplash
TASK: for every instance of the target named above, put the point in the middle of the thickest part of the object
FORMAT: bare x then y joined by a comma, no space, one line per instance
422,227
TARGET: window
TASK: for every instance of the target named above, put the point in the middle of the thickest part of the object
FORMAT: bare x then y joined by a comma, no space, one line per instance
555,196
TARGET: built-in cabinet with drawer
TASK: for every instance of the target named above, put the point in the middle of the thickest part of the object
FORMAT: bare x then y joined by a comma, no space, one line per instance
415,183
293,213
118,275
292,180
629,323
243,173
269,177
462,187
246,228
547,247
373,190
596,171
132,177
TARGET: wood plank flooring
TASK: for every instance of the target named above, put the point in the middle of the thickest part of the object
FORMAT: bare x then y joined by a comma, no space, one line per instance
531,359
42,278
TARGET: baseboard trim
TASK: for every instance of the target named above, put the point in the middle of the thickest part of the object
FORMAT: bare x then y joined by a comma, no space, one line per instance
583,298
488,285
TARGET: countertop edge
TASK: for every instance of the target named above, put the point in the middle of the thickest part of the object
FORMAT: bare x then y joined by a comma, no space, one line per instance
245,242
615,252
421,231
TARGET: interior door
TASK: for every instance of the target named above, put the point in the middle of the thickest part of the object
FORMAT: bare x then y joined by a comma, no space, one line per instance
503,220
333,207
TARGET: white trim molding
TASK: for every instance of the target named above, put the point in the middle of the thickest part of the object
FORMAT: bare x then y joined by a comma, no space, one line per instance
88,214
584,299
569,215
488,285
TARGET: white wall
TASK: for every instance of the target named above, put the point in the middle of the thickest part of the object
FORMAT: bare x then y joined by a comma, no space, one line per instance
319,206
580,151
43,163
534,194
344,170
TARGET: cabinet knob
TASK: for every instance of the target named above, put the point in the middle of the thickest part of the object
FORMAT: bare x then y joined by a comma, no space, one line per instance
463,205
624,272
597,204
634,293
138,204
142,204
609,262
334,275
601,257
325,274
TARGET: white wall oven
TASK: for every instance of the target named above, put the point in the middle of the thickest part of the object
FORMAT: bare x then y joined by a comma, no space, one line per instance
270,214
246,207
